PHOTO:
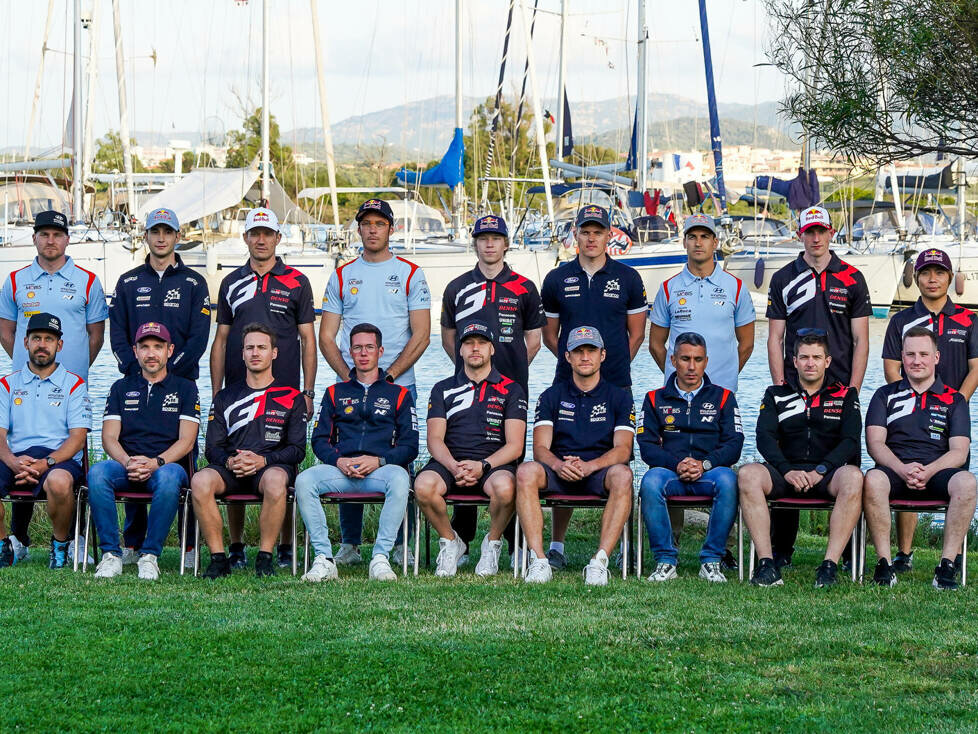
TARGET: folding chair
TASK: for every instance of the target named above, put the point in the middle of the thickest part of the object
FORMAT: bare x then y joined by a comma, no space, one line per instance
810,503
573,501
901,505
452,500
357,498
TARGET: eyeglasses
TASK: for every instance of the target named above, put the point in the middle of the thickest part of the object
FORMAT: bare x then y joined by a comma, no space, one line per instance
812,332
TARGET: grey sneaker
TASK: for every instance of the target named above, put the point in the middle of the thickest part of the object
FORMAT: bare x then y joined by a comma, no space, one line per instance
149,569
712,573
488,564
109,567
347,555
130,556
21,551
80,543
397,555
322,569
380,569
557,560
664,572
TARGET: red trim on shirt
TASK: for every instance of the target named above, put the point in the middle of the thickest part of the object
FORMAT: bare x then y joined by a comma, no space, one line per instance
414,269
3,381
13,283
400,397
77,384
652,397
88,285
845,276
723,400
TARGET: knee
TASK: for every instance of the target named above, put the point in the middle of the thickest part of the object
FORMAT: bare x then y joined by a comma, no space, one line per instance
962,486
502,486
654,483
203,486
425,488
725,482
273,485
750,478
398,484
530,474
850,482
98,475
619,475
876,486
306,484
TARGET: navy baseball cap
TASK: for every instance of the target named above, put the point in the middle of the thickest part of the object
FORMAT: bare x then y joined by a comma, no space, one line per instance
376,206
475,328
490,224
162,216
51,219
595,214
933,256
584,336
44,322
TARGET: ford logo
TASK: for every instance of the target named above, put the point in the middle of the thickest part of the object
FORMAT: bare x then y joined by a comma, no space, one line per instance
144,289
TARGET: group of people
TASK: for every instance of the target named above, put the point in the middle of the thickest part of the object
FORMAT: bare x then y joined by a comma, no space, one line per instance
591,313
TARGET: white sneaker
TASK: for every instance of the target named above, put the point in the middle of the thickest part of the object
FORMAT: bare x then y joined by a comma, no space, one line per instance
347,555
189,558
463,560
148,567
397,555
596,573
380,569
21,551
663,572
711,572
109,567
488,564
130,556
539,571
80,542
322,569
448,555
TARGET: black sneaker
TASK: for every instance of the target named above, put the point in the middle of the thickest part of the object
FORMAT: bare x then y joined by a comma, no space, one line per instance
237,556
728,562
845,563
6,553
884,575
767,573
219,566
284,556
782,560
825,575
903,562
557,560
957,566
944,576
264,565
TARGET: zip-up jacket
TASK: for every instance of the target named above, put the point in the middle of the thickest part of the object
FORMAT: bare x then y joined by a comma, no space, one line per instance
379,420
800,431
178,300
706,427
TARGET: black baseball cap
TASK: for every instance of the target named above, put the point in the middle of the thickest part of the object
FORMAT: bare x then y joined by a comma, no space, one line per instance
593,213
475,328
490,224
51,219
376,206
44,322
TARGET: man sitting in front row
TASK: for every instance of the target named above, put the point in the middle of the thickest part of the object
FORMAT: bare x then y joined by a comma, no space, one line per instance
809,436
476,433
690,437
366,435
256,435
582,443
918,431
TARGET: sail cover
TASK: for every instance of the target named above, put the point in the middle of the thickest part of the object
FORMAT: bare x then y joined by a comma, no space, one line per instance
450,170
202,192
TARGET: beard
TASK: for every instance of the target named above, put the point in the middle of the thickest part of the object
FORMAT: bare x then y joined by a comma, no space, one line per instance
41,360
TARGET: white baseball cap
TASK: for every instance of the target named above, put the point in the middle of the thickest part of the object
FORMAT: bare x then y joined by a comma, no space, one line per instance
814,216
261,217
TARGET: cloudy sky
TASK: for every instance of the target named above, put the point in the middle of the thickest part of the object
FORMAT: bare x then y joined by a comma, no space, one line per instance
378,54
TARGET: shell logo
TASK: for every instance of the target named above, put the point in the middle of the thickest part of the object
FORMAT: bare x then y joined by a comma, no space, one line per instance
30,294
354,290
682,301
18,401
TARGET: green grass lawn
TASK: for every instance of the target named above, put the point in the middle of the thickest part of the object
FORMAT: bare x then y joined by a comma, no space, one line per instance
243,655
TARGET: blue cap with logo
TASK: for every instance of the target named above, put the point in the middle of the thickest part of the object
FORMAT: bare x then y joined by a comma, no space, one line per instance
475,328
51,219
593,214
704,221
162,216
44,322
376,206
584,336
490,224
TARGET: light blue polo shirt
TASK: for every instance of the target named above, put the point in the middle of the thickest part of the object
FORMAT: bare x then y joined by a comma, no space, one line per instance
712,307
73,294
40,412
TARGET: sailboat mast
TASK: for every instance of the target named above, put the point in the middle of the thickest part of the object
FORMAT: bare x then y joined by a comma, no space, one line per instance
324,113
561,81
642,100
537,111
458,202
711,96
265,156
120,74
37,84
77,185
88,144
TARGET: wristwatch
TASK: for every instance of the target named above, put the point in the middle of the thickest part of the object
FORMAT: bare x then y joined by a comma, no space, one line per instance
381,461
51,461
707,465
160,460
311,394
389,378
486,468
821,470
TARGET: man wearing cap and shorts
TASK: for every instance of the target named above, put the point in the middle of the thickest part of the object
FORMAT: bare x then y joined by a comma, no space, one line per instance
510,304
51,284
816,293
150,425
391,292
918,431
266,291
957,340
582,444
45,417
256,437
476,433
593,290
164,291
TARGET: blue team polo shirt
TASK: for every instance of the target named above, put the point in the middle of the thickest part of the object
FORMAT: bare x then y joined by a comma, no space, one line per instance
73,294
584,423
41,412
712,307
150,414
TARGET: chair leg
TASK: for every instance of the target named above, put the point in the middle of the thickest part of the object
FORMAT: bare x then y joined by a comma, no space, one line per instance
78,504
305,549
88,520
639,537
182,535
197,546
417,537
750,570
854,544
964,561
862,547
625,548
295,558
740,543
427,544
516,545
404,543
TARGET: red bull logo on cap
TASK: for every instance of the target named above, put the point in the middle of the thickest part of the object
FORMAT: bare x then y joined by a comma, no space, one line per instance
593,211
161,213
260,217
151,327
371,204
490,222
585,333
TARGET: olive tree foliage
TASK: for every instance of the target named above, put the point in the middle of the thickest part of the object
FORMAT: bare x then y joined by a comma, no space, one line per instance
880,80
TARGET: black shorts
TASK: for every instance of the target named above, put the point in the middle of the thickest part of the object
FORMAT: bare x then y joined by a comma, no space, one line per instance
592,485
454,488
781,488
248,485
37,452
936,488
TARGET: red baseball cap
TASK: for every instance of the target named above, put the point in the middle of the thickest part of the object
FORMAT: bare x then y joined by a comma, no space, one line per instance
154,329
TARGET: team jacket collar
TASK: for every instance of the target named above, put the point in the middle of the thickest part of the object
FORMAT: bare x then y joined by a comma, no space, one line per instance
478,275
143,382
827,387
353,375
494,377
576,264
575,390
672,391
37,271
277,269
169,268
687,277
938,388
949,308
58,377
834,266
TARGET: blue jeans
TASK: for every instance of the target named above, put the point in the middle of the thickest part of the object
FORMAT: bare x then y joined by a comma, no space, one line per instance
317,480
351,516
659,483
108,477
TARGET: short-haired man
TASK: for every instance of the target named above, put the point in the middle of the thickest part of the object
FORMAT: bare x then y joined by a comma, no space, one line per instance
593,289
150,424
45,416
391,292
510,304
476,433
817,292
690,437
366,436
164,291
265,291
956,330
256,437
51,284
918,431
809,436
582,443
